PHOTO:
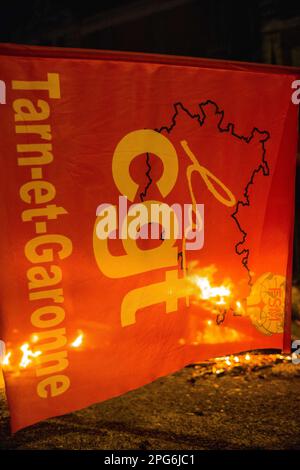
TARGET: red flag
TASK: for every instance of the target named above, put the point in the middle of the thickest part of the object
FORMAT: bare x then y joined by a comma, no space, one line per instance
90,142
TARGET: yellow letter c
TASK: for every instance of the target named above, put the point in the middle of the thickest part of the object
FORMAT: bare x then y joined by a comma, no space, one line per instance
140,142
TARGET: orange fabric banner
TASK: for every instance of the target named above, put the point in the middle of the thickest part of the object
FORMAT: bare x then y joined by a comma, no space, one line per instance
86,318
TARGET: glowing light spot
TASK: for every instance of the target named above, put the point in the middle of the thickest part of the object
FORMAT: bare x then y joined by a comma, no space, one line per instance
34,338
207,291
209,322
219,359
247,357
78,341
236,359
28,355
6,359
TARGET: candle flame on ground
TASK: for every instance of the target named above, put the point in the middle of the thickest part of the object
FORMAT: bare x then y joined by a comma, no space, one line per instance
239,364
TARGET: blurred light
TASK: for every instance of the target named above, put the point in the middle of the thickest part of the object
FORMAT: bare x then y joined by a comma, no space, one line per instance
78,341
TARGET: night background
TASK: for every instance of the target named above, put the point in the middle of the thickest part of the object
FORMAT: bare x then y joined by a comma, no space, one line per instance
256,407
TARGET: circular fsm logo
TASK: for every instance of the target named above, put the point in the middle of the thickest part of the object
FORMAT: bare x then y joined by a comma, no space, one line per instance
266,303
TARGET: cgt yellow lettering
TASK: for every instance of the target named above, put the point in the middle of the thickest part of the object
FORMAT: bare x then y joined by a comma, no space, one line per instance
211,181
136,260
137,143
168,291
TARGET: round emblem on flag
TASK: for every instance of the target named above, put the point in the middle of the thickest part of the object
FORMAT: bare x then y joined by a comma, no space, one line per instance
266,303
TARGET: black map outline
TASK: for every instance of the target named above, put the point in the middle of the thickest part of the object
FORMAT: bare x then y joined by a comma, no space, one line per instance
263,166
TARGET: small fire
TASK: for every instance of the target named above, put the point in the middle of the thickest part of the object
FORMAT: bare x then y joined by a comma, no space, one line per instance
209,292
78,341
27,355
228,361
239,309
218,299
6,359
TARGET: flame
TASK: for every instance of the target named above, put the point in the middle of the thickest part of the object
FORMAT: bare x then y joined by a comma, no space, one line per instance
209,292
27,354
214,297
228,362
6,359
217,299
239,309
78,341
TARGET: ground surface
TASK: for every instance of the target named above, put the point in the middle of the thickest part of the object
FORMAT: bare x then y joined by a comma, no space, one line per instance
192,409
